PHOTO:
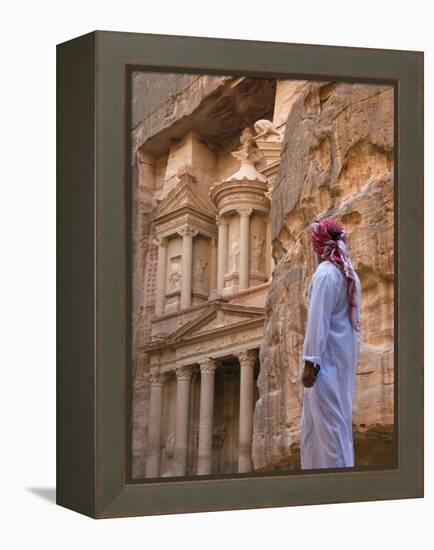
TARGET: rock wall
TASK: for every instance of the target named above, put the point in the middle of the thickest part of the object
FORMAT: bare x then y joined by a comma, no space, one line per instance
337,159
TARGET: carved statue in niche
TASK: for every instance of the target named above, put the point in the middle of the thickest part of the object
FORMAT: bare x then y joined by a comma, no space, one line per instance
169,446
195,435
257,252
199,271
175,273
265,129
234,256
218,436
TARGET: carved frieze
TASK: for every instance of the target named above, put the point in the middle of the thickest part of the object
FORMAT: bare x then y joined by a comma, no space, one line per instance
213,345
175,226
232,201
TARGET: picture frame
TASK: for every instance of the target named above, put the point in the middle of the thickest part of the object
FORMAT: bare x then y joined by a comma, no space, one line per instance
93,361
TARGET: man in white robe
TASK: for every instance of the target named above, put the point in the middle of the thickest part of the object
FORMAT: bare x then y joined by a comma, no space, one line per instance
332,342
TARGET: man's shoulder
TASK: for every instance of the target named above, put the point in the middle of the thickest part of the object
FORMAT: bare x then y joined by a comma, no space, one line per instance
326,267
326,270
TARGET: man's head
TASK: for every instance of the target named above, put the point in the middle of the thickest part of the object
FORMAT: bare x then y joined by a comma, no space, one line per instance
326,232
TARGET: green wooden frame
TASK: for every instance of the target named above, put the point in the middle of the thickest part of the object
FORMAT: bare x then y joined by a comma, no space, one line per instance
93,371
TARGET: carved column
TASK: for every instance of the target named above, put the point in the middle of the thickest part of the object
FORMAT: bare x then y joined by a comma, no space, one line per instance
247,361
222,251
244,270
207,375
213,266
154,431
183,377
161,242
187,259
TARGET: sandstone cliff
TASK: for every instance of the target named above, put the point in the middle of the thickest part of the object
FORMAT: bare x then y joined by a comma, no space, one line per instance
337,159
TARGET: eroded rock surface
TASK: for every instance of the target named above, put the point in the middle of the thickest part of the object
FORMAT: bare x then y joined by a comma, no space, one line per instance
337,160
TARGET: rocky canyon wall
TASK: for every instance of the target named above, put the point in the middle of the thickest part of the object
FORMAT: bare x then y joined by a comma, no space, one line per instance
337,159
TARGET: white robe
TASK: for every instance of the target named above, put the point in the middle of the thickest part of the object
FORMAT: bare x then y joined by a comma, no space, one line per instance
330,341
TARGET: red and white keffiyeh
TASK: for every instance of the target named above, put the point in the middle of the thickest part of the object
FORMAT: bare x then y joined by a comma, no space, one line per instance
329,242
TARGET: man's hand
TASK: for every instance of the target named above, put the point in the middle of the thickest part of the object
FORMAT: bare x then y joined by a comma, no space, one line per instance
309,376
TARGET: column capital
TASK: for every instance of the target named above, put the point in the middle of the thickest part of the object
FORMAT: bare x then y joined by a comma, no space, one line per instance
221,220
244,211
184,372
247,358
161,241
188,231
157,378
208,366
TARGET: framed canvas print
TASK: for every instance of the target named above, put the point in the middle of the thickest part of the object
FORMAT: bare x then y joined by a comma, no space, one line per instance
240,274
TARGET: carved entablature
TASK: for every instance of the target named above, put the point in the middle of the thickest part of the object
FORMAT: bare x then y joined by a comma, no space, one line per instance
223,328
229,344
177,225
187,205
230,196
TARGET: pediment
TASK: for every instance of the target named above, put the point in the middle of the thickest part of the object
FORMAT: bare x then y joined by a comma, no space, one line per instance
215,323
185,195
218,317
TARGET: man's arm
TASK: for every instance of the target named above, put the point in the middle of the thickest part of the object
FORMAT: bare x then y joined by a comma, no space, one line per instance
322,301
